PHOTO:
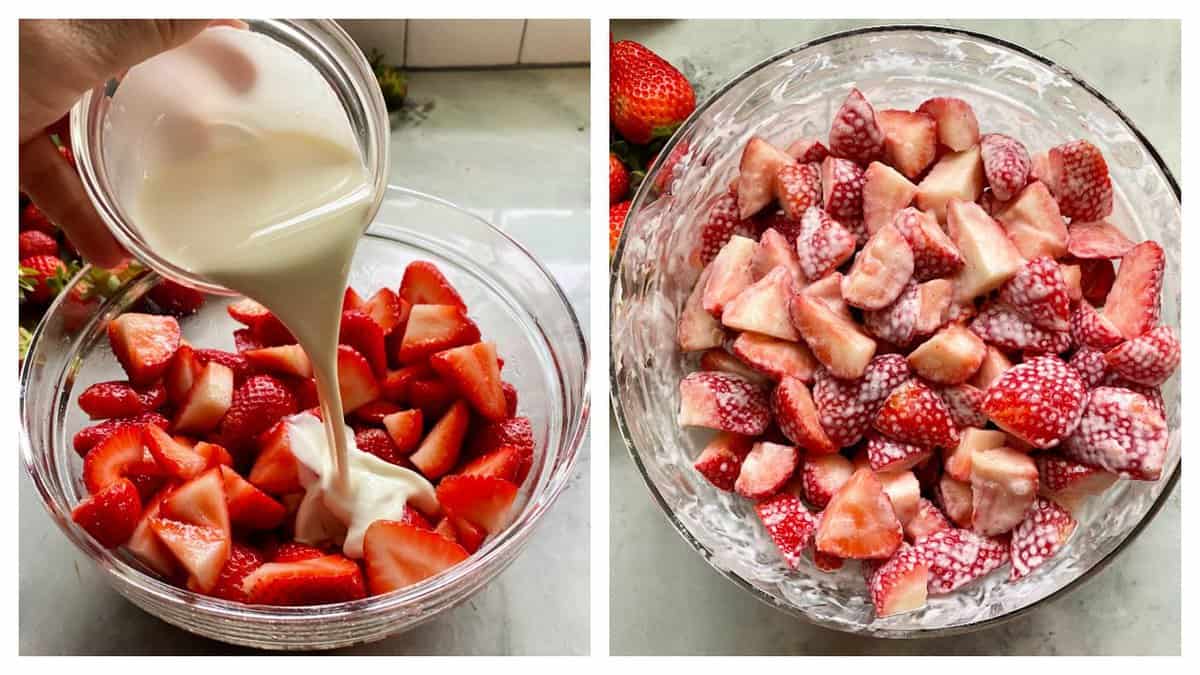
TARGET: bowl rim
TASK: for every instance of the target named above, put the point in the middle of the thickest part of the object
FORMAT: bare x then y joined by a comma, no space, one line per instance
499,550
614,392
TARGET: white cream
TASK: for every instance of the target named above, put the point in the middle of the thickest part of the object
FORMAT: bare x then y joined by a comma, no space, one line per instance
379,490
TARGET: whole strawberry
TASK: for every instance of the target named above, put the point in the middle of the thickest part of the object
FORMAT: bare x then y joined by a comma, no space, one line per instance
618,179
176,299
35,242
648,97
36,275
616,221
32,218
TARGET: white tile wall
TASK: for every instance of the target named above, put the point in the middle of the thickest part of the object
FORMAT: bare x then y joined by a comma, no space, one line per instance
555,41
384,35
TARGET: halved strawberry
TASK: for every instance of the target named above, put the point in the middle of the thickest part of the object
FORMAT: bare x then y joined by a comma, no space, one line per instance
283,360
848,406
144,344
117,456
914,413
927,520
790,525
318,581
480,500
424,284
957,460
248,506
955,499
1120,431
356,379
835,340
697,329
176,459
1133,304
145,545
886,454
859,521
822,476
439,451
1043,420
989,257
475,374
721,224
1097,239
956,176
958,557
760,163
1004,483
880,272
1040,535
900,584
885,193
950,357
765,471
111,514
957,127
404,428
1006,164
386,309
1000,325
723,402
1149,359
842,189
773,357
257,404
207,402
721,460
432,328
729,274
398,555
797,187
855,135
909,140
275,470
797,417
762,307
823,244
1078,176
1059,476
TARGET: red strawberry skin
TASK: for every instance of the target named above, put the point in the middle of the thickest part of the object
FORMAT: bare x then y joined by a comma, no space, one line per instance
1080,182
110,515
855,134
648,97
35,242
915,414
616,223
1122,432
618,180
89,437
258,403
1147,360
724,220
791,525
847,407
1039,401
45,267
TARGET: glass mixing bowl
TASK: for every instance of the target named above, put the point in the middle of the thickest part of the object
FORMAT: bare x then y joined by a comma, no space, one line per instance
794,94
511,296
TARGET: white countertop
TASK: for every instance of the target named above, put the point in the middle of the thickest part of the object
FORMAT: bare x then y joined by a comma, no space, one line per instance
513,146
667,600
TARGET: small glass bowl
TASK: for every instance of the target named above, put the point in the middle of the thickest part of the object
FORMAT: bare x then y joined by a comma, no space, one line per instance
512,297
334,57
794,94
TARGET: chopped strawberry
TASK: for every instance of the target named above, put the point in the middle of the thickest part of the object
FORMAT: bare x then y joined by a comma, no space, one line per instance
1044,530
209,400
118,399
356,379
440,449
796,414
957,127
927,520
763,307
432,396
1149,359
848,406
1004,484
822,476
396,383
352,300
398,555
760,164
1033,223
387,310
721,460
719,360
201,550
1042,420
145,545
823,244
281,360
144,344
244,340
513,431
956,176
989,257
266,328
951,356
1073,279
424,284
111,514
360,331
176,459
855,135
842,189
257,404
994,363
729,274
1078,177
723,402
790,525
480,500
1090,364
885,454
176,299
1133,303
119,455
835,340
293,551
318,581
896,324
248,506
828,291
807,150
1096,280
904,491
433,328
242,561
859,521
885,193
89,437
1006,164
697,329
880,272
957,461
404,428
504,462
910,140
1038,294
765,471
958,557
797,187
1121,432
914,413
934,253
776,250
181,373
1097,239
475,374
965,403
1058,476
275,470
775,358
200,501
1000,325
900,584
722,223
235,362
955,499
378,443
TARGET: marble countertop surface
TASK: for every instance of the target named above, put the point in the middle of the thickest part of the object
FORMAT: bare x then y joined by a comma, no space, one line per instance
511,145
1132,607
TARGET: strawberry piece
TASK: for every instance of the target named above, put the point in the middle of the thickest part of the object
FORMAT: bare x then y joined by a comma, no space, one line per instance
994,363
1078,176
822,476
257,404
111,514
1097,239
266,328
1073,279
957,127
244,340
433,328
513,431
1149,359
318,581
965,403
144,344
955,499
202,551
900,584
1038,294
914,413
176,299
934,304
356,379
761,163
396,383
775,358
842,189
1006,165
176,459
1042,420
904,491
200,502
432,396
880,272
1091,366
294,551
1000,325
145,545
475,374
721,460
479,500
797,417
790,525
956,176
32,243
1059,476
989,257
723,402
404,428
823,244
250,507
958,557
765,471
807,150
242,562
934,253
424,284
89,437
1034,224
1043,532
797,187
957,461
885,193
378,443
835,340
1004,484
439,451
859,521
1122,432
828,291
282,360
1133,303
181,373
763,307
722,224
352,300
776,250
698,330
386,309
503,462
848,406
927,520
398,555
719,360
885,454
360,331
729,274
855,135
120,455
117,399
896,323
275,470
213,454
951,356
1096,280
235,362
910,140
